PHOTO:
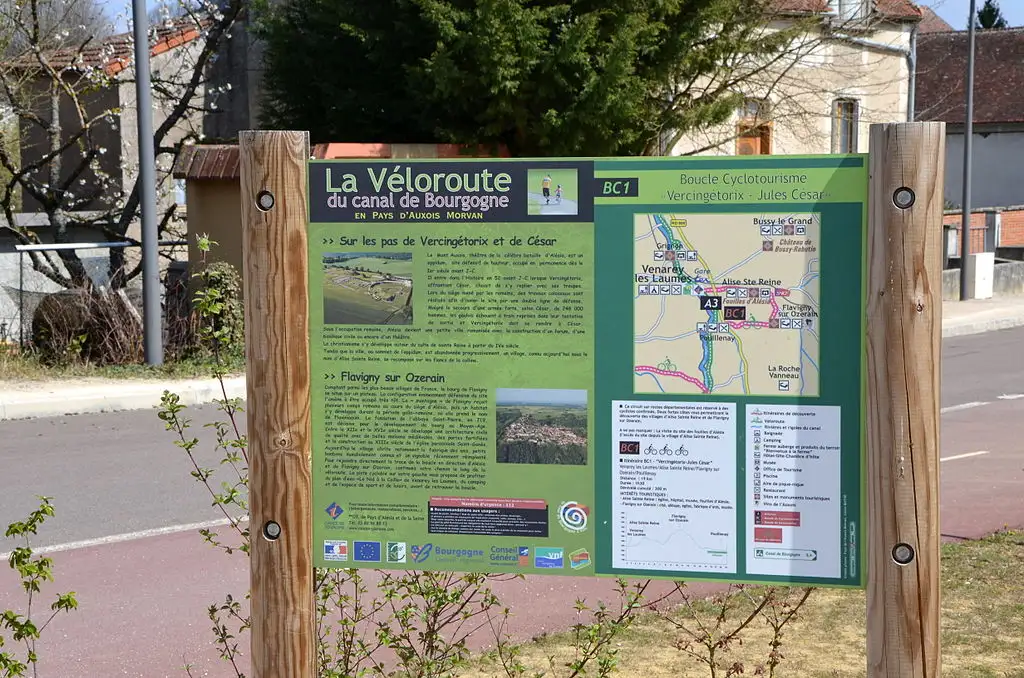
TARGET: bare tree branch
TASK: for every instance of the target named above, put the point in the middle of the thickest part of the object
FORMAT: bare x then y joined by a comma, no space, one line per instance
62,83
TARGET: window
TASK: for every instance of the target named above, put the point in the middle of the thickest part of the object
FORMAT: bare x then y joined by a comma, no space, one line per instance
753,109
754,130
845,119
849,10
179,191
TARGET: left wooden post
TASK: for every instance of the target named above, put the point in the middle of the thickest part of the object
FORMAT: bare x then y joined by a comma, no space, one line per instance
275,263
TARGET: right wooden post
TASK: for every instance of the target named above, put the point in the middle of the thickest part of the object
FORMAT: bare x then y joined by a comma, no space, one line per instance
904,334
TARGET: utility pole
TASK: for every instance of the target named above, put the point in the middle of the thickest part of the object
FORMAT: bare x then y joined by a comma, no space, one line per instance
966,266
151,320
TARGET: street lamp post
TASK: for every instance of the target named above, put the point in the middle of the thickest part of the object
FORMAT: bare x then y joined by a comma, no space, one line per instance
151,320
966,265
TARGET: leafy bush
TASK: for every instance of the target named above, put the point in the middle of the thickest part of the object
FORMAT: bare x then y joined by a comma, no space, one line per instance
26,628
212,327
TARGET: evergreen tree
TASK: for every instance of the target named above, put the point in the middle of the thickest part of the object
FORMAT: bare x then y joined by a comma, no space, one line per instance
542,77
990,16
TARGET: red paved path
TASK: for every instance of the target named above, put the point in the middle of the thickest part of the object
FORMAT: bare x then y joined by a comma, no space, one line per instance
143,602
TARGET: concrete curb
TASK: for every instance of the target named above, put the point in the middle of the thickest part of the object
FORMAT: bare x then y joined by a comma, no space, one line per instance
982,322
55,402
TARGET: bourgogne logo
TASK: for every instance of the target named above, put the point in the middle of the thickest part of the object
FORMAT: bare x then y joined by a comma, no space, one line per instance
573,516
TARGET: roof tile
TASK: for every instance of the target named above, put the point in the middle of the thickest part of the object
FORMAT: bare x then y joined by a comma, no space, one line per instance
932,22
889,9
115,53
998,76
213,161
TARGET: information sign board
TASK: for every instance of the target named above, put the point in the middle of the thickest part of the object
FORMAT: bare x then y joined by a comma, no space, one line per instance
630,367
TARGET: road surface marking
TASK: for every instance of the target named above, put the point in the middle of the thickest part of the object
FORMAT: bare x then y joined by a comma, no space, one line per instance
130,536
1011,396
964,456
962,406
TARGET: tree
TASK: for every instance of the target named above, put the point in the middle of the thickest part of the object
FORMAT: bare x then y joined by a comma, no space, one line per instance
168,10
77,19
559,77
72,21
61,83
990,16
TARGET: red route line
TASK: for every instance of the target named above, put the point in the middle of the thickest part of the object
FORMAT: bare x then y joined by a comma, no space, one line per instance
666,373
779,292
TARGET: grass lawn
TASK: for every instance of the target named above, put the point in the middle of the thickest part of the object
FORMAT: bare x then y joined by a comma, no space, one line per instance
17,367
982,628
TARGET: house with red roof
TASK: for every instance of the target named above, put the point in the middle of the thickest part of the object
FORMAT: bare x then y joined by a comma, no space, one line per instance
96,108
997,144
851,65
91,89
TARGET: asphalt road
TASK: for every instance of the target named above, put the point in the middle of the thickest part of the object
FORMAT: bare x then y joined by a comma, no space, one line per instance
981,367
118,480
107,474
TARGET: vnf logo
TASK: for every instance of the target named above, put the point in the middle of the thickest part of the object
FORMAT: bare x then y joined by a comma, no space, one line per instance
573,516
421,553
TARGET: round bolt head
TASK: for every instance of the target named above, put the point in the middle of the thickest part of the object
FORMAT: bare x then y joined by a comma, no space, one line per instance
902,553
265,200
271,530
903,198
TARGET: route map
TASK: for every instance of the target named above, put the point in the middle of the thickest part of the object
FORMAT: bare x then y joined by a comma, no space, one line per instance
726,304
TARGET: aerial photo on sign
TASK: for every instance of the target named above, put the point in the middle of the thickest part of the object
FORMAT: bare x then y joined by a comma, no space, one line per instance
367,288
541,426
726,304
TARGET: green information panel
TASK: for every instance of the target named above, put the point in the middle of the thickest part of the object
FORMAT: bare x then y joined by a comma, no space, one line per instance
628,367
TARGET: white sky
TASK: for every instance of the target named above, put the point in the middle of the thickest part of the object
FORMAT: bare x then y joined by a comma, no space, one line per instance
955,11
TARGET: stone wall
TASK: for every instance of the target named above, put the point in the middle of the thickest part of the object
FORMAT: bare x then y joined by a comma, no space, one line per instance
1007,281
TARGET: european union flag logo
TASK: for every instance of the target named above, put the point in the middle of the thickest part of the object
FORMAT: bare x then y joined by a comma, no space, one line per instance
366,551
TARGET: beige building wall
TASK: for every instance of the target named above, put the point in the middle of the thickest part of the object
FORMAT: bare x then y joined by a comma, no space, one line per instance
215,209
870,68
35,141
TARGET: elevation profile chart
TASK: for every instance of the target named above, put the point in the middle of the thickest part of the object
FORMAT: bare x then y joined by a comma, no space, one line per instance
674,485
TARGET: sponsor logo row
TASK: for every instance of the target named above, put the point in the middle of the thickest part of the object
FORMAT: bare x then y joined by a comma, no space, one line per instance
572,515
546,557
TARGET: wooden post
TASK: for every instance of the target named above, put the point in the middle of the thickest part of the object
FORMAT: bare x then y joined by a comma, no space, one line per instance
904,335
275,262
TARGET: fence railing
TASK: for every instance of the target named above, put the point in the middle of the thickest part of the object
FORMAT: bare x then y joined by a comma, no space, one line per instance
25,287
991,229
